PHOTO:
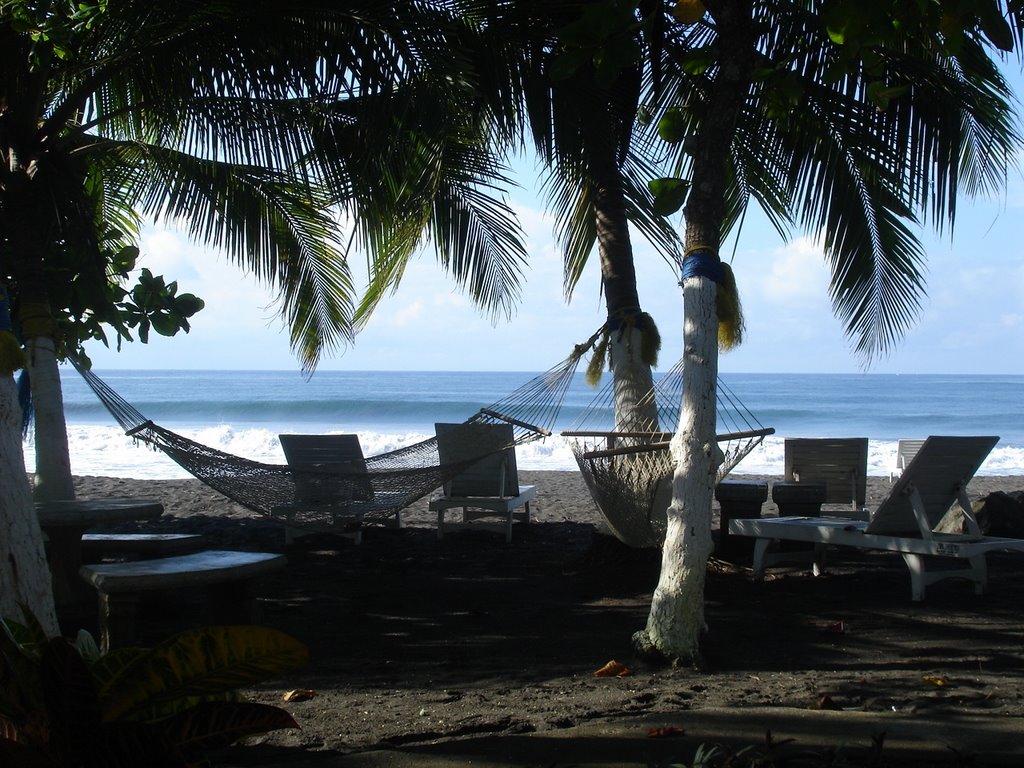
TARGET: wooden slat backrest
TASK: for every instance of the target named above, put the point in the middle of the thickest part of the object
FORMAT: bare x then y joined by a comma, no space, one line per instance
494,473
841,464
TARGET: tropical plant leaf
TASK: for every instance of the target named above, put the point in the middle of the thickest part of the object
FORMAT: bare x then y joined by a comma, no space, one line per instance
110,666
200,662
861,178
72,705
673,126
20,683
216,725
30,634
669,194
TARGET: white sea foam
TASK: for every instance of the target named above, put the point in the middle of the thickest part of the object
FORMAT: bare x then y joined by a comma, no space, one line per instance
768,459
107,452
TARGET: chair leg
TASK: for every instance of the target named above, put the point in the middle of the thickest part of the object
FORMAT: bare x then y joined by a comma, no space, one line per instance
979,573
915,563
760,551
818,567
920,578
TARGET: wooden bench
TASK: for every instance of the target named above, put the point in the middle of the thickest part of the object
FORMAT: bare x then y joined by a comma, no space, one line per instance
840,464
227,578
96,546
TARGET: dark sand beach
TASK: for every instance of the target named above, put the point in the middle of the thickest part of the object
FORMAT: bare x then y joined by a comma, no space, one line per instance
421,643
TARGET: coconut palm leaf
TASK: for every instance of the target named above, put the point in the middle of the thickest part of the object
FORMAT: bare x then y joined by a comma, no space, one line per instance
815,150
430,177
266,221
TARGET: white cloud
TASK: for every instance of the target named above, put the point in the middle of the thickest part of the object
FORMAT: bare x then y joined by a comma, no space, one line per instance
168,253
973,320
798,272
1011,320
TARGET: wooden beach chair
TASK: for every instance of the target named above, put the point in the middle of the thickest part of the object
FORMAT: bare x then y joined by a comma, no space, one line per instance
487,488
331,477
905,451
905,520
838,464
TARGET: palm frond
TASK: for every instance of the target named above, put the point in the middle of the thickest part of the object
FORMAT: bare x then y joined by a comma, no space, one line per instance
264,220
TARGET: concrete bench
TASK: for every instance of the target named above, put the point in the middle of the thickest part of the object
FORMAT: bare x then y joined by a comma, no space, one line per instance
737,499
227,579
96,546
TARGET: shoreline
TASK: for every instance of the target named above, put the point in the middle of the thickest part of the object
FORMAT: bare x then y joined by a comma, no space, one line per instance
562,496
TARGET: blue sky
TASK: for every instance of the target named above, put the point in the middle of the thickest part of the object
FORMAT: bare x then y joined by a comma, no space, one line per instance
972,320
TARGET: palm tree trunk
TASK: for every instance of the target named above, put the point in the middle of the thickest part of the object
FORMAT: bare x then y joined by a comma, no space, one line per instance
27,234
635,410
631,374
24,574
676,619
53,478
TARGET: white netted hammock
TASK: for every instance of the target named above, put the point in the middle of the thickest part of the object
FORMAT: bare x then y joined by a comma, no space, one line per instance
627,468
627,465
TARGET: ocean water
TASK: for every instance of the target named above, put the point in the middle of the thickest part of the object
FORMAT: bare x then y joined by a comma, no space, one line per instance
242,412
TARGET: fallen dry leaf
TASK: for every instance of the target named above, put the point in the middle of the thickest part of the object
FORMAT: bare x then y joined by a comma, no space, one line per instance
665,731
613,669
299,694
825,702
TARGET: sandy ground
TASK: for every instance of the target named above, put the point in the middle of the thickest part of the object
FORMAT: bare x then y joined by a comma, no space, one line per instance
419,640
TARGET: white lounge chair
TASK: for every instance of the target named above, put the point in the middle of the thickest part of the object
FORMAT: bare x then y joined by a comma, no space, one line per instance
336,481
488,487
840,464
905,451
905,520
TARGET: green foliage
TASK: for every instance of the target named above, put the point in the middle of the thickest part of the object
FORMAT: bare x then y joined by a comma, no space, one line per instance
157,305
669,194
63,705
673,125
856,121
92,298
51,27
213,659
600,39
860,27
226,118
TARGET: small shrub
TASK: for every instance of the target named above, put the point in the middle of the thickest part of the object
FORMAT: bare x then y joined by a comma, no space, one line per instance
64,705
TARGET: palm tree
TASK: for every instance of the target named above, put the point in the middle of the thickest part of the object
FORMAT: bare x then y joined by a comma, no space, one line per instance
854,140
207,114
585,83
578,80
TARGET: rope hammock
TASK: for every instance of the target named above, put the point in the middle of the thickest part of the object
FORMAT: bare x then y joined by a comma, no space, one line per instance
627,465
390,481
